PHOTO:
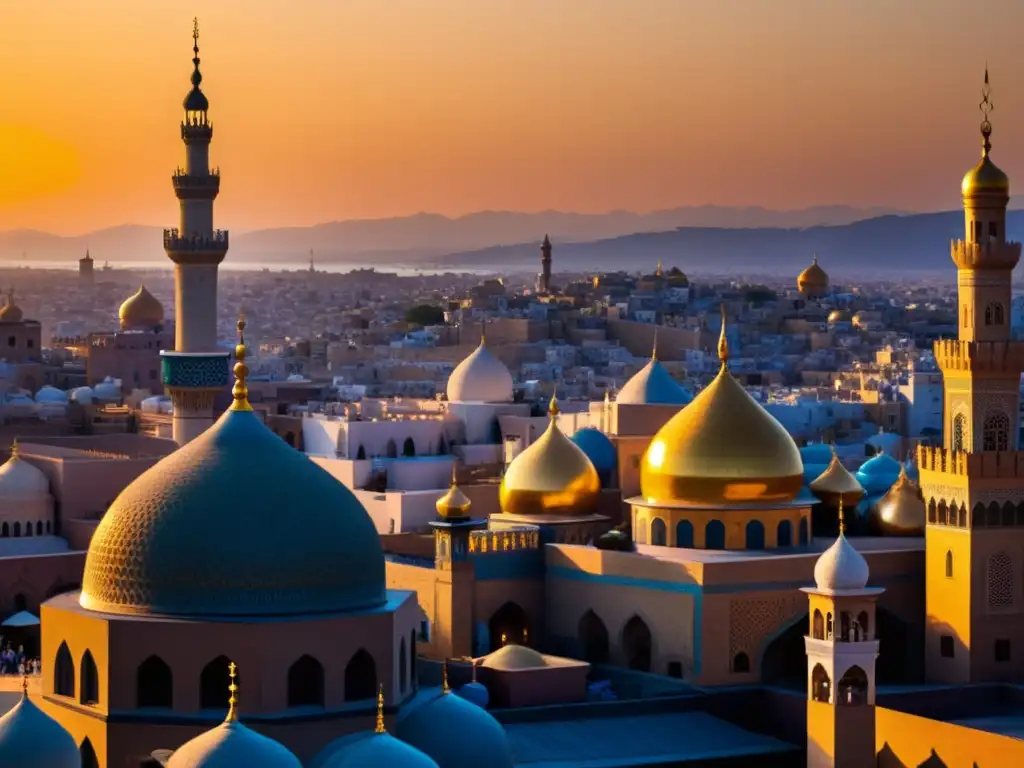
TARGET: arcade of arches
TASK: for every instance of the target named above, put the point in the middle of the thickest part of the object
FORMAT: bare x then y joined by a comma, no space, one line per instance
721,528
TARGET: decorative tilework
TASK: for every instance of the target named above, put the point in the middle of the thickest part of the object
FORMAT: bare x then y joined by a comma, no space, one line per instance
191,371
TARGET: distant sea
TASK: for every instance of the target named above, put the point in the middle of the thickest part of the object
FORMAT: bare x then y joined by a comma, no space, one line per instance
405,270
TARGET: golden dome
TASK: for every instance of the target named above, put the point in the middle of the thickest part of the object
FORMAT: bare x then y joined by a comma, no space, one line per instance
901,511
454,503
814,279
836,483
141,310
723,448
986,177
553,476
11,312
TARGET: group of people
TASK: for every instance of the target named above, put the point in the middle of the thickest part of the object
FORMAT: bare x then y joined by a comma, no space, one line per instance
16,662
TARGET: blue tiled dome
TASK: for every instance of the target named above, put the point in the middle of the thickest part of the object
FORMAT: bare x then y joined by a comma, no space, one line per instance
878,473
235,523
598,447
653,385
816,453
29,738
456,733
231,745
371,750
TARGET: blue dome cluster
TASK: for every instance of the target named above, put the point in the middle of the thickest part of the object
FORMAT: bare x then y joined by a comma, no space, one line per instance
878,473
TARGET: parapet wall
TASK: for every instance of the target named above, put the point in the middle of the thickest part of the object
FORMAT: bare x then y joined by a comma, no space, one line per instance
991,464
1006,357
907,740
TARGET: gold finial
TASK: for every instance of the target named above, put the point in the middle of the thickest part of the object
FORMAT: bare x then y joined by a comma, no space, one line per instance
654,346
553,409
240,391
380,710
15,450
723,342
986,106
455,473
233,698
24,680
842,521
483,331
444,678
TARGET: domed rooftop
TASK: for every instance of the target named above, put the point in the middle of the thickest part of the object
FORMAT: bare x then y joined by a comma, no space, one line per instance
456,733
901,512
598,447
511,657
11,312
723,448
30,738
195,100
985,177
480,378
475,693
816,453
19,478
235,523
653,385
841,568
836,484
48,394
553,476
813,280
877,474
839,316
454,504
141,310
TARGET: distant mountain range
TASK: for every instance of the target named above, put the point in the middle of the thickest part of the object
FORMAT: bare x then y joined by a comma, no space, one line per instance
411,239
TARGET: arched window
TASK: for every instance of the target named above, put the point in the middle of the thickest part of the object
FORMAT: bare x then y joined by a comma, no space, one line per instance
988,315
755,534
818,625
28,528
64,672
714,535
853,687
684,534
5,531
828,626
998,313
996,432
392,449
593,638
409,447
213,684
48,528
17,529
1000,581
784,534
640,529
844,626
403,667
959,433
804,534
306,683
39,528
154,684
821,686
658,532
741,663
89,688
636,642
88,755
361,454
361,677
862,625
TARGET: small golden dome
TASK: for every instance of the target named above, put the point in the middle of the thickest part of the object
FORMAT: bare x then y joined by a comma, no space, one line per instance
838,316
901,511
836,483
723,448
985,177
141,310
454,503
553,476
812,280
11,312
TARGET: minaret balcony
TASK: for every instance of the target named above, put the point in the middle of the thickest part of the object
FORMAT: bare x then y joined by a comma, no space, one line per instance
196,248
196,131
990,255
195,187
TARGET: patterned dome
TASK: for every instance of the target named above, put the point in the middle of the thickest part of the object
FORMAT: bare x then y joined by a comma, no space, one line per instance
653,385
481,743
29,738
480,378
236,523
231,745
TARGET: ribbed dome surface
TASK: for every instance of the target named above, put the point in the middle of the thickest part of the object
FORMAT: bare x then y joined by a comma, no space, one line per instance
480,378
29,738
841,568
653,385
141,310
232,745
235,523
456,734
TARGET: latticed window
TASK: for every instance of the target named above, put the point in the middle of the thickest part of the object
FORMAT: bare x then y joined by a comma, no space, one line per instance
1000,581
996,432
959,427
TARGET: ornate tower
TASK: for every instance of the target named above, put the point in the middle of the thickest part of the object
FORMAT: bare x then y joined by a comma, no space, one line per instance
974,484
842,648
196,370
545,266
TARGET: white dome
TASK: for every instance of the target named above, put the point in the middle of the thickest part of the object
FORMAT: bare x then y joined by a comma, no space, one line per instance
480,378
19,478
155,404
29,738
82,395
50,394
841,568
107,389
231,745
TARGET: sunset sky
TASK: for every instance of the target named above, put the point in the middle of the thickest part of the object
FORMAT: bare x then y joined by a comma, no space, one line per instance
335,109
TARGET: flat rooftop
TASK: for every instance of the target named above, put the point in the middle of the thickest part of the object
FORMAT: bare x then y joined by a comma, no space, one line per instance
1008,724
867,544
635,740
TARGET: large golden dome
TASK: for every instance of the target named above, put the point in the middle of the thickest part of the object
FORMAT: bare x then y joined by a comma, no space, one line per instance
723,448
141,310
553,476
901,511
813,280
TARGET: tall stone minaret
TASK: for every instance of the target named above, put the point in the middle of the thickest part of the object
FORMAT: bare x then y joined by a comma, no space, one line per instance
196,370
545,266
974,484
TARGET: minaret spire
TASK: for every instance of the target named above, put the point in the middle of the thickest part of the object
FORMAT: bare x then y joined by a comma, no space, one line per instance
986,106
723,342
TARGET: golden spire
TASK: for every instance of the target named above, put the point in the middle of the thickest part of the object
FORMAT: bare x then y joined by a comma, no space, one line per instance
483,331
15,450
380,710
240,391
842,520
553,409
723,342
986,106
444,678
233,698
654,346
24,681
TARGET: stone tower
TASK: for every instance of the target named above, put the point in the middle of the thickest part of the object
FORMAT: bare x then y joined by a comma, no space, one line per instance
545,266
196,370
974,484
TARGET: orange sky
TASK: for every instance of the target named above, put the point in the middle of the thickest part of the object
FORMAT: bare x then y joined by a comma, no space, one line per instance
332,109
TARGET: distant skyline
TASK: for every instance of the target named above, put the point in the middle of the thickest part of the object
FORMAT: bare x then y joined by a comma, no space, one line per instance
378,108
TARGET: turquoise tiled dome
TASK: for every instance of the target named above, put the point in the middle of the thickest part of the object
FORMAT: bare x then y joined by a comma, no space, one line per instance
29,738
598,447
235,523
653,385
455,733
371,750
232,745
878,473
